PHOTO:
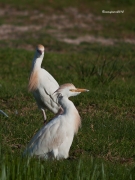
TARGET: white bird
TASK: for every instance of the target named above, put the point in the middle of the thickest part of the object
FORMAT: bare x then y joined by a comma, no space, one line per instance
42,84
54,139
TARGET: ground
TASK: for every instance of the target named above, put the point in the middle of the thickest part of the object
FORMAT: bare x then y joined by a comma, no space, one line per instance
69,25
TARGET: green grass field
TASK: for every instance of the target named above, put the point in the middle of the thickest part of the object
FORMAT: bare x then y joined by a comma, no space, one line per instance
104,148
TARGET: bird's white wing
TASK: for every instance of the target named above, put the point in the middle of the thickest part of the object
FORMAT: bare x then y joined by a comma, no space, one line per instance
48,86
47,138
48,82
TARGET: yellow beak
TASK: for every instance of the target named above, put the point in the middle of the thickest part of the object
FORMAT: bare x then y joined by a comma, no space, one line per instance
79,90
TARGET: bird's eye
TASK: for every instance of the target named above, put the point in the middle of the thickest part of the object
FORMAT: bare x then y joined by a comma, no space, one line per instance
72,90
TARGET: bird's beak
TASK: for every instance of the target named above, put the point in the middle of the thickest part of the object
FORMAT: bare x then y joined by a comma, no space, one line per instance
79,90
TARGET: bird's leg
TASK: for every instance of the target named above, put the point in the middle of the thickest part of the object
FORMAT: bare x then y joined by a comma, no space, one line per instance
44,115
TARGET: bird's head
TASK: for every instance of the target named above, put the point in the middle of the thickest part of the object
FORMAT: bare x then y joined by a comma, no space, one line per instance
40,50
68,90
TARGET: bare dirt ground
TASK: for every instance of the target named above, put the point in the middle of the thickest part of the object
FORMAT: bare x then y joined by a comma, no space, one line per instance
69,26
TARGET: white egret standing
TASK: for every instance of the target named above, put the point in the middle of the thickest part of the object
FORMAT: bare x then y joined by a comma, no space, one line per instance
54,139
42,84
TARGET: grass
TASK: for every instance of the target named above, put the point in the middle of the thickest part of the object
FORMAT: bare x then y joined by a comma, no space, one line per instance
80,169
104,147
115,26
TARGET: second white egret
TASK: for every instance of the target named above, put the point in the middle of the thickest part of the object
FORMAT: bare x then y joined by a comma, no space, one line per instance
54,139
42,84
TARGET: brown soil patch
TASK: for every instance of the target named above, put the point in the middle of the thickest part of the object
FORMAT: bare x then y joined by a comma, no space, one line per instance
8,31
62,26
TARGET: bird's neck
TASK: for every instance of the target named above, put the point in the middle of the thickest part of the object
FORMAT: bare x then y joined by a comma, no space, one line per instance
72,113
37,61
67,105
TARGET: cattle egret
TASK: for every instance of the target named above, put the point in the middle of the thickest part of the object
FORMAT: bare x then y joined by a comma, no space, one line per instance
54,139
42,84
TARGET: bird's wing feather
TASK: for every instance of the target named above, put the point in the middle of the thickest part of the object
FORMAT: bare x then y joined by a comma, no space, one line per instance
49,85
48,137
48,82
